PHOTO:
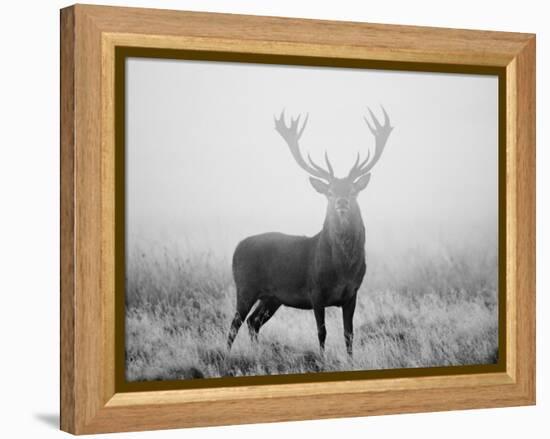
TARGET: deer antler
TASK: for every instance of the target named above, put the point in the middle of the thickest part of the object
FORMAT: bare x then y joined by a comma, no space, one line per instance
381,134
291,134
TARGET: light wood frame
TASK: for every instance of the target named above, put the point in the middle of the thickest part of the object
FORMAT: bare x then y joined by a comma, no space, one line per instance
89,36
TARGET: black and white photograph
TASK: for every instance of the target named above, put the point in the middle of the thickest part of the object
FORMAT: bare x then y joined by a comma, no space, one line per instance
287,219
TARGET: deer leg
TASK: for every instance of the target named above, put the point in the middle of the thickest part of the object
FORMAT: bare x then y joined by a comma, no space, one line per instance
347,313
243,308
263,312
319,313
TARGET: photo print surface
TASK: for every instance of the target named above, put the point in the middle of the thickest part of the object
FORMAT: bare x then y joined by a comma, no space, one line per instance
296,219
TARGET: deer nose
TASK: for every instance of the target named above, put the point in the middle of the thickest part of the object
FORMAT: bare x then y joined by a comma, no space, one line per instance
342,203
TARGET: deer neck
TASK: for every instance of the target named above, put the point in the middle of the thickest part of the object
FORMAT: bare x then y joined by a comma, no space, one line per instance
345,236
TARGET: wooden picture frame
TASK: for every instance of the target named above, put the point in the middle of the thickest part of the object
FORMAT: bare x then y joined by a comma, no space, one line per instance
91,399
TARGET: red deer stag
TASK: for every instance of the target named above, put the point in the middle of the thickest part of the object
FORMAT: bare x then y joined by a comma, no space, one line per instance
327,269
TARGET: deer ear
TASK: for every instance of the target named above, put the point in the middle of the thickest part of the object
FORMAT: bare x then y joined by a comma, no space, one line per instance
319,185
361,184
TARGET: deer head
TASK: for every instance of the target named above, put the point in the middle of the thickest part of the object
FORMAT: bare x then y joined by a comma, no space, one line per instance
341,193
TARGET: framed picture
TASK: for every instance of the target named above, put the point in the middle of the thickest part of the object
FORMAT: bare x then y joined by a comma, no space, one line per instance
268,219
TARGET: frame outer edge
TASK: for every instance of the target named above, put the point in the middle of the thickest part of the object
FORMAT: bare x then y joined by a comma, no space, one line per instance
90,324
67,225
83,409
526,219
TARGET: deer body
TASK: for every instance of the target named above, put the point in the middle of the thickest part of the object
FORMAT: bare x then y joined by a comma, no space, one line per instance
274,269
299,271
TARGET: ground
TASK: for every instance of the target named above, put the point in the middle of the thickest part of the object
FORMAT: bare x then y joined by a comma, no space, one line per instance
439,311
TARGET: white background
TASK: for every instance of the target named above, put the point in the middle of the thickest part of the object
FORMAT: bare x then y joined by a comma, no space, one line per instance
29,236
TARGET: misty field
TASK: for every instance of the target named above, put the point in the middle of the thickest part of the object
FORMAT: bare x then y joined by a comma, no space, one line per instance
440,310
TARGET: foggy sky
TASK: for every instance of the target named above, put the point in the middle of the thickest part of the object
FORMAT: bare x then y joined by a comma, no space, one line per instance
205,166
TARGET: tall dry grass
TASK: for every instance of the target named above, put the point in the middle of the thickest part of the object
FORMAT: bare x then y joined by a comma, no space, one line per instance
422,309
